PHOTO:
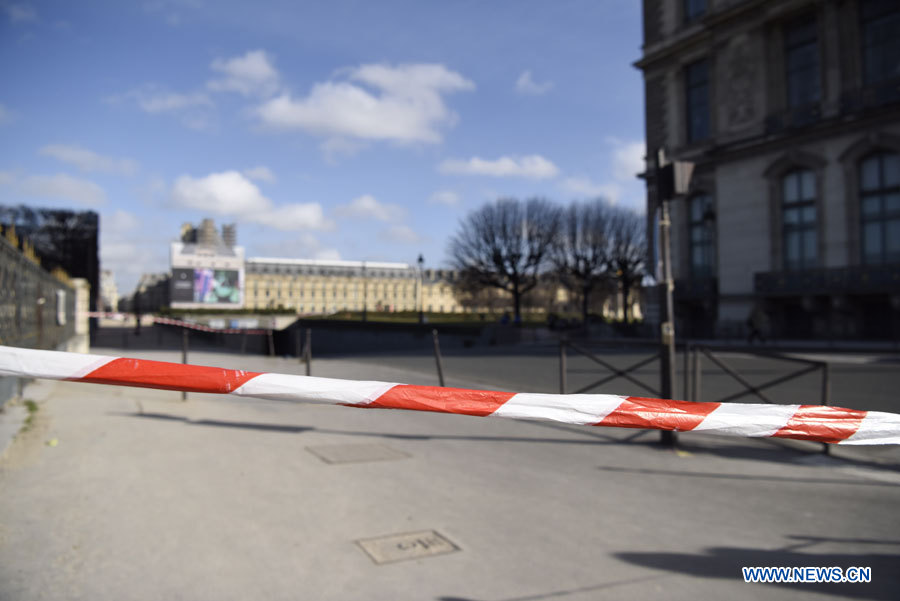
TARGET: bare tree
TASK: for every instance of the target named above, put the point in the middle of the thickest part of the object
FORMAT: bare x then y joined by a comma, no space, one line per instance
627,251
581,251
505,245
474,296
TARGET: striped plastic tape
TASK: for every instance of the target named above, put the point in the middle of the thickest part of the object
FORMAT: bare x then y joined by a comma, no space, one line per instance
804,422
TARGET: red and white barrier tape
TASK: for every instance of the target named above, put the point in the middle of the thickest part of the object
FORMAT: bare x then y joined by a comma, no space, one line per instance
107,314
803,422
177,322
202,328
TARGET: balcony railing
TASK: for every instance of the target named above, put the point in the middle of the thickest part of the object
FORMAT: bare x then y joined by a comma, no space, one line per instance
871,97
827,281
690,289
793,118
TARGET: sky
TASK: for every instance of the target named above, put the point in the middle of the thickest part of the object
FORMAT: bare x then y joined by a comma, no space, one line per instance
347,129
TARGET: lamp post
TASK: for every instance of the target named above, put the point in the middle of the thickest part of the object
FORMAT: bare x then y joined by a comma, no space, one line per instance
670,179
421,262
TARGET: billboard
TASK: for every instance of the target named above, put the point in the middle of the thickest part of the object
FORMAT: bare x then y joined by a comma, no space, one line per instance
211,278
206,286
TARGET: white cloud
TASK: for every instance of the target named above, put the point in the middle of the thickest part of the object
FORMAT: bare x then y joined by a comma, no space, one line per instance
59,187
21,12
526,85
582,187
194,109
129,248
260,174
87,160
154,100
532,166
444,197
403,104
368,207
333,148
251,74
303,245
172,11
327,254
231,193
627,159
400,233
295,216
226,193
121,221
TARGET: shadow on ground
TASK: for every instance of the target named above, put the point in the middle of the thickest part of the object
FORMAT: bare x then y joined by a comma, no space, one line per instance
726,562
645,438
593,439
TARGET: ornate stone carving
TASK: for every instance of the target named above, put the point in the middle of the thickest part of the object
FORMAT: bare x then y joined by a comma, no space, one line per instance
741,82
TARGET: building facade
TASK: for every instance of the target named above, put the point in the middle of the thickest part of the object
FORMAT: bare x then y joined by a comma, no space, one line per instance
151,294
207,269
309,286
109,292
790,112
207,265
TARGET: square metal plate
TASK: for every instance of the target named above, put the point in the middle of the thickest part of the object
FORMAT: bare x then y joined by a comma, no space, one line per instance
355,453
401,547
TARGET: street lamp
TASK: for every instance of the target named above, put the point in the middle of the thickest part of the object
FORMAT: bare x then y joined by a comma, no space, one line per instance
421,262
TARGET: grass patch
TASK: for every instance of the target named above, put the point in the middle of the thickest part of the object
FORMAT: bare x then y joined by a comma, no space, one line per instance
411,317
32,408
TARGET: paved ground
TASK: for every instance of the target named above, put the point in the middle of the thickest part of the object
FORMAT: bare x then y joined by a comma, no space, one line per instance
146,497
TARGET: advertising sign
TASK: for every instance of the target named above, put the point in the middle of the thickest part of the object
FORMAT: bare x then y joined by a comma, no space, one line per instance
206,277
206,286
215,286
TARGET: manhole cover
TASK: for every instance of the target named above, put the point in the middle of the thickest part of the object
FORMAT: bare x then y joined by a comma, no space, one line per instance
400,547
355,453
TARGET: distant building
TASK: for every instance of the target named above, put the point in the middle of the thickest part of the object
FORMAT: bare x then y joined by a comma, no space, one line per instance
310,286
207,269
62,239
791,113
109,292
151,293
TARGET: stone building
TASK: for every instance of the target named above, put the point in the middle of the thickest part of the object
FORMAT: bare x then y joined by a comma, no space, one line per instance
790,111
310,286
109,292
151,293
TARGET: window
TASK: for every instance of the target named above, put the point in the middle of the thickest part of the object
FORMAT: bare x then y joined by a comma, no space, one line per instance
798,218
802,62
879,197
702,236
694,9
880,43
697,97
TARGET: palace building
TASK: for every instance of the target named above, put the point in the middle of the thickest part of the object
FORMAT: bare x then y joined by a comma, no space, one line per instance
790,112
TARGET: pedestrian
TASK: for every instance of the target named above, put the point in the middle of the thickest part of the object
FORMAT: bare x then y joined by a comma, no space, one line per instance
756,324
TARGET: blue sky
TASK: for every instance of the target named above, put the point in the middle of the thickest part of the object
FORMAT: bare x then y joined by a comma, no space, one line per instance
344,129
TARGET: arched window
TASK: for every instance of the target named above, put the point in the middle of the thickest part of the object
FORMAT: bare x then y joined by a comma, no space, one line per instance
798,219
702,236
879,200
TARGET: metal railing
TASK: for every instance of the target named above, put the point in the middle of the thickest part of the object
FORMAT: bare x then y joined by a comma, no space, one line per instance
625,373
692,380
692,375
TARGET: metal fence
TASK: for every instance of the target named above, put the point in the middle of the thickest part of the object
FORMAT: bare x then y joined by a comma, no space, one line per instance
36,309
